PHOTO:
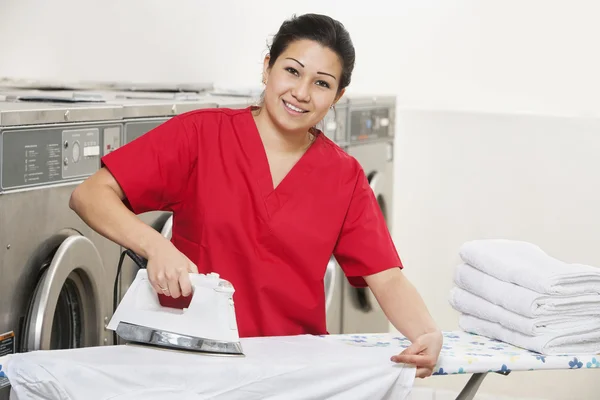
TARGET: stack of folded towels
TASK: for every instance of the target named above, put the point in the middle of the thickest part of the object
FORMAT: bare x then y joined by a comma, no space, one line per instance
514,292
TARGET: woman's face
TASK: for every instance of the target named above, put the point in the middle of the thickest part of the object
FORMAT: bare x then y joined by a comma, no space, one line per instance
302,85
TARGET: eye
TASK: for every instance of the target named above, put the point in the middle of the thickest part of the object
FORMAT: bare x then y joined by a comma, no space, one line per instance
292,71
324,84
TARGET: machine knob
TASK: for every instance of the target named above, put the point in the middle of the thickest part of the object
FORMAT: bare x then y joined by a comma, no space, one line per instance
76,152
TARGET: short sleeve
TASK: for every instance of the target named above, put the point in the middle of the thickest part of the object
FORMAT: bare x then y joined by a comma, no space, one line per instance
153,170
365,245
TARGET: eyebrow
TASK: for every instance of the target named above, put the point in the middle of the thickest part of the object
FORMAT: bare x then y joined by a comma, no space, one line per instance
322,73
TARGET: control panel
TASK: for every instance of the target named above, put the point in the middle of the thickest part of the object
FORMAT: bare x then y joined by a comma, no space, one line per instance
80,152
335,124
51,154
371,123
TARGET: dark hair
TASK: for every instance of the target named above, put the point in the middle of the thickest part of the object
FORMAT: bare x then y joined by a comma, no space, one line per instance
322,29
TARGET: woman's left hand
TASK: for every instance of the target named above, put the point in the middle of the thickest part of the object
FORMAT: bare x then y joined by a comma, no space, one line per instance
423,353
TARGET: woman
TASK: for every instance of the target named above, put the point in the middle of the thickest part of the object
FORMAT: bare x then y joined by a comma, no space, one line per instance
264,199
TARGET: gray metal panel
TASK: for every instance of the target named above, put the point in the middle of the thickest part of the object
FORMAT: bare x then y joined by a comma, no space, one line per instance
359,100
231,101
135,129
375,159
160,87
31,113
141,108
40,155
33,225
371,118
335,123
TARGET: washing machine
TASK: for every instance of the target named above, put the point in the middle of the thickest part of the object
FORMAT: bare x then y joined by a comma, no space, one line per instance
370,140
53,278
142,112
334,126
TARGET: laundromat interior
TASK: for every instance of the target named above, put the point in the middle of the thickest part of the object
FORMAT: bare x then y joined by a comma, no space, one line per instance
475,122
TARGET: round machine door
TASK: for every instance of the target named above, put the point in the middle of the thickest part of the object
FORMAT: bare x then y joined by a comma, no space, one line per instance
167,228
67,310
363,298
330,279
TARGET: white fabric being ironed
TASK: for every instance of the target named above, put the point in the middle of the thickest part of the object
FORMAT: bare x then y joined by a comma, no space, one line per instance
292,367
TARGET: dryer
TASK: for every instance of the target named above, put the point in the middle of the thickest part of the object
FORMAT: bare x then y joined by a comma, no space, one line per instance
371,121
53,281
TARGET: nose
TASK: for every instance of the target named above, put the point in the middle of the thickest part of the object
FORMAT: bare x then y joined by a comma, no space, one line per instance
301,91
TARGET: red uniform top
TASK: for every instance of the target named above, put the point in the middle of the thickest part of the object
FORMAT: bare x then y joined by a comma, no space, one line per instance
209,167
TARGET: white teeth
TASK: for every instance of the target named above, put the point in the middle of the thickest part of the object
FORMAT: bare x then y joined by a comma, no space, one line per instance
291,107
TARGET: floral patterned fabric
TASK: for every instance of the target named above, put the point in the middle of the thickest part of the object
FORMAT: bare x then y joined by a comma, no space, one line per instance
466,353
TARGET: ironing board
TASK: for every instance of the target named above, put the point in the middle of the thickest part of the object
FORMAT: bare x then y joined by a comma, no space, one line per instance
462,353
467,353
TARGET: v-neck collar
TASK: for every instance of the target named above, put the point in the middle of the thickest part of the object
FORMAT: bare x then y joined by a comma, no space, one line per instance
276,197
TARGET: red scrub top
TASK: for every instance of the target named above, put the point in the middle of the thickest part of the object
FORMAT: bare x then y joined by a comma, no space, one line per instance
209,168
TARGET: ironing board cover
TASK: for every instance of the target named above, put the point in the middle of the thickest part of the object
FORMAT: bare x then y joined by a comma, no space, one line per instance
465,353
336,369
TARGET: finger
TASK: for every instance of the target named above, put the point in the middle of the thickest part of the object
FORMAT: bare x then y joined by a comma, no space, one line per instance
413,349
192,267
185,283
160,284
416,359
423,372
173,282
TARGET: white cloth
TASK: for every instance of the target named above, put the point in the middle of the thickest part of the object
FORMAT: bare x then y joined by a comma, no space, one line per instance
527,265
467,303
550,344
295,367
521,300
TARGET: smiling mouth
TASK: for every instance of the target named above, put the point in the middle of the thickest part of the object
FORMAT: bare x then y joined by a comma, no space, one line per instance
293,108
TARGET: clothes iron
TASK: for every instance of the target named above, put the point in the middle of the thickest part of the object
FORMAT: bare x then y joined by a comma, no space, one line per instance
208,325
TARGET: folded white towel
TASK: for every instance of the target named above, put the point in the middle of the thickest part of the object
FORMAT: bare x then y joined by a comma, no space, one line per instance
549,344
522,300
467,303
527,265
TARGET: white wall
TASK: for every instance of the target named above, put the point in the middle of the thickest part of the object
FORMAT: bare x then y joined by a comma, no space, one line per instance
534,178
466,176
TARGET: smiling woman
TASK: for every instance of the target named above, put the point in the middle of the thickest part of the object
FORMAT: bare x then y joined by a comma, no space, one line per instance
264,199
308,67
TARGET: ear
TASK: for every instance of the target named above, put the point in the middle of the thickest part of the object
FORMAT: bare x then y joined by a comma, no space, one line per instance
266,68
339,96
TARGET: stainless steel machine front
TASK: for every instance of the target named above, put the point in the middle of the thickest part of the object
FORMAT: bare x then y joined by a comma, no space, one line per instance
54,291
370,139
142,112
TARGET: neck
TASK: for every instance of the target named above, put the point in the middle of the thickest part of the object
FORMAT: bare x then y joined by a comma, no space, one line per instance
274,138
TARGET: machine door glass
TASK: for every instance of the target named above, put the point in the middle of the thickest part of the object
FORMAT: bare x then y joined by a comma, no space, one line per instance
330,281
67,310
363,298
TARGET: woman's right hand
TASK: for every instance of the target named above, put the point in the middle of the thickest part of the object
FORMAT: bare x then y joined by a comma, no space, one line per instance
168,270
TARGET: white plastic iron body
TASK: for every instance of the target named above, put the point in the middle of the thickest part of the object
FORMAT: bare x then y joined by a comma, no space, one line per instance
208,325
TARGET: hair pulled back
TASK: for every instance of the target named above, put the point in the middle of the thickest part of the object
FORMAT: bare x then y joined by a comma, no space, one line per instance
321,29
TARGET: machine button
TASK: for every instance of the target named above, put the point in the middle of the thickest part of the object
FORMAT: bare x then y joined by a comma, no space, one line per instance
76,152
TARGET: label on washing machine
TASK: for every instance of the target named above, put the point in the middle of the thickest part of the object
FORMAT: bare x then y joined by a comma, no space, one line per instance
7,343
7,346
